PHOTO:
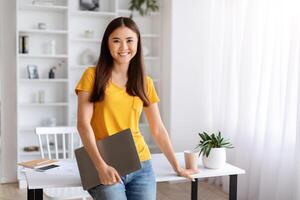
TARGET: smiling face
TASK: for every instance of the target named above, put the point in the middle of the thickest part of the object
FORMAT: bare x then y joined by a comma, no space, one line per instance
122,44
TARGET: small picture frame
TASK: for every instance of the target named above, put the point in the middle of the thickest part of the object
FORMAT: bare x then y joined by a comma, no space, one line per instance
32,71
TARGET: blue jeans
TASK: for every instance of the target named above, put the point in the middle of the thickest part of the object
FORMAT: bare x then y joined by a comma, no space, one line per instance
139,185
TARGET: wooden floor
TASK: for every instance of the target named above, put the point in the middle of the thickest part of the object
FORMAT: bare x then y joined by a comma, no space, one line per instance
165,191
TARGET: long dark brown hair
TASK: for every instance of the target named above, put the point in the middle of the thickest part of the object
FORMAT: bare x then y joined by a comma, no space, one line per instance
135,85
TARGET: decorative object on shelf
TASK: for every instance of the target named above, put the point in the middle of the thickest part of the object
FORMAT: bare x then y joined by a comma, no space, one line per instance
88,57
88,33
50,47
41,96
145,51
32,72
91,5
51,73
42,26
213,147
49,121
23,44
31,148
143,6
43,2
191,159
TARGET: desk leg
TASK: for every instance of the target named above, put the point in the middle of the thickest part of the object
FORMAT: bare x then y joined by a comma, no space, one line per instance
34,194
233,187
194,194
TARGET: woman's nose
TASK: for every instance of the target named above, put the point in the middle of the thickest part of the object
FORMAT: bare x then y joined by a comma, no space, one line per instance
123,45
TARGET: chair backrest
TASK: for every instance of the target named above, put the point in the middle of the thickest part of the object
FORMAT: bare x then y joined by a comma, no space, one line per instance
58,142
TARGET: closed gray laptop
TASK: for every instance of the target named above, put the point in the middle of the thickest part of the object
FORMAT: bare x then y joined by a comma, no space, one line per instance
117,150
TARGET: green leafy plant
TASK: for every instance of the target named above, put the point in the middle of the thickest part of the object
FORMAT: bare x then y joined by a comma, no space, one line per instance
143,6
207,142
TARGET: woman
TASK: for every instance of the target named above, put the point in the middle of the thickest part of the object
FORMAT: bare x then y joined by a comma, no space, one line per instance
111,97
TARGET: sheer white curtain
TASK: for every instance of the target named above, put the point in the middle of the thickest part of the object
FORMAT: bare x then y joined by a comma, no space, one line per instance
252,54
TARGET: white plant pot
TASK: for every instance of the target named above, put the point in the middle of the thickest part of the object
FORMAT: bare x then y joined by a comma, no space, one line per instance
216,158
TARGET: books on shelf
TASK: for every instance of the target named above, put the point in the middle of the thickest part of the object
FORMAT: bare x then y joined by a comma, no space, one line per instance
38,163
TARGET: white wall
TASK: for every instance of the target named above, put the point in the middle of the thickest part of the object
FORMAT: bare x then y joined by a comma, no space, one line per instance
8,90
189,111
166,69
1,73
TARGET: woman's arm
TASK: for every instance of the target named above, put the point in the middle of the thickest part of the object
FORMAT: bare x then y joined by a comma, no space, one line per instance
161,137
107,174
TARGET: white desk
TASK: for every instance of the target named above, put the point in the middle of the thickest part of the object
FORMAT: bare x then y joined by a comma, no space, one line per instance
65,176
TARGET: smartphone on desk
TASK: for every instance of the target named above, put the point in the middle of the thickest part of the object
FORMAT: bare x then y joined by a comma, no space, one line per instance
41,169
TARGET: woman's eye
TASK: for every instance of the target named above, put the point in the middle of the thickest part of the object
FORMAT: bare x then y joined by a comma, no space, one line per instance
116,41
129,41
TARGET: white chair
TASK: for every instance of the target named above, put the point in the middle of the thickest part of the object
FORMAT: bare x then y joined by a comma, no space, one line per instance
59,143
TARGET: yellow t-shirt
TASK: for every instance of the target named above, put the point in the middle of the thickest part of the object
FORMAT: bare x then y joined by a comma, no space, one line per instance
118,110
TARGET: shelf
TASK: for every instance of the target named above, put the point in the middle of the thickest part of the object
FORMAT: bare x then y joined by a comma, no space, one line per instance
81,67
135,13
46,31
58,80
123,11
32,128
44,8
95,40
44,104
27,129
93,13
150,35
42,56
30,153
151,57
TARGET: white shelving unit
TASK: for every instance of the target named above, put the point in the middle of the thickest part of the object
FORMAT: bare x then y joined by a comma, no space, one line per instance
28,31
93,40
93,14
66,24
57,80
27,6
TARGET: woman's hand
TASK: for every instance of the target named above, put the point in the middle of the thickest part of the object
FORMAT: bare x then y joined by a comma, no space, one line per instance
187,173
108,175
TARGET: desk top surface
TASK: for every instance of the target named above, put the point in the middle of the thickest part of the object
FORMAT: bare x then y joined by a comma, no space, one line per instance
67,174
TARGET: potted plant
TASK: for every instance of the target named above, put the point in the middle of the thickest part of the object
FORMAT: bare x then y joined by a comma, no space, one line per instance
143,6
213,150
